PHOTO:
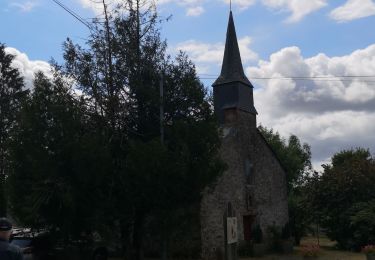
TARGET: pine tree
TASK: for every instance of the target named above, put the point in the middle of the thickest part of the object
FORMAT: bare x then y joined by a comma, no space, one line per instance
119,74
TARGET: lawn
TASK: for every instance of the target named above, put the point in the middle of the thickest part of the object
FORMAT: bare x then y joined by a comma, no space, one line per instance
327,252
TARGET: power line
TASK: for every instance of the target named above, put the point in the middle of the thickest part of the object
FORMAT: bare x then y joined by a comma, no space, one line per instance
76,16
347,78
211,76
302,77
305,79
315,80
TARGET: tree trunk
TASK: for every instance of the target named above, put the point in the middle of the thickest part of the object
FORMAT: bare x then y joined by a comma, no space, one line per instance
138,236
164,243
297,240
125,241
164,252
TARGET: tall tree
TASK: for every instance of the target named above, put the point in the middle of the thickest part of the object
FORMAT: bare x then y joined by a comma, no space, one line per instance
342,193
119,74
12,93
58,162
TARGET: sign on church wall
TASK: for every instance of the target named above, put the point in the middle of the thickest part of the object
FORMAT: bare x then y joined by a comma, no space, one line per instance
232,230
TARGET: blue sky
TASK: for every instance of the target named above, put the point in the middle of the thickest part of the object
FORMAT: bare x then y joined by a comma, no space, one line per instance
278,38
38,27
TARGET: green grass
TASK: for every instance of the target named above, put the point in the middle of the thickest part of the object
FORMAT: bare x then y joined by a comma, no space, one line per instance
327,252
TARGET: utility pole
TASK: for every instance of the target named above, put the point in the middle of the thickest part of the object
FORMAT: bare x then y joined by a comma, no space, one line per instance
161,85
165,236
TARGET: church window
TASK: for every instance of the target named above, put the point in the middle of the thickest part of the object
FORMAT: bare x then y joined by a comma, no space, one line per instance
249,202
248,171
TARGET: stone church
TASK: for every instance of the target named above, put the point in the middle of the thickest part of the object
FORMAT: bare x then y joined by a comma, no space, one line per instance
253,189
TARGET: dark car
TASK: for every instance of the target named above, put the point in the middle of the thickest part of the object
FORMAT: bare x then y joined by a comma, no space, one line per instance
25,244
42,245
25,239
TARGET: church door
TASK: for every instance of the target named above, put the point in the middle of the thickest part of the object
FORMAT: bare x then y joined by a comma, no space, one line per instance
247,224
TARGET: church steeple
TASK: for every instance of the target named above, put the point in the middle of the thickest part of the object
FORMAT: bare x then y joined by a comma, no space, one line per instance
232,69
232,89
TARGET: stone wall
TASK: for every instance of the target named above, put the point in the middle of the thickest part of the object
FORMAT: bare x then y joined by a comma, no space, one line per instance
254,183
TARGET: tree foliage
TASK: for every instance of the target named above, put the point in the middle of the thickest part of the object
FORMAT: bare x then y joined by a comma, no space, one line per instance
343,190
12,93
363,222
58,164
296,159
294,156
102,151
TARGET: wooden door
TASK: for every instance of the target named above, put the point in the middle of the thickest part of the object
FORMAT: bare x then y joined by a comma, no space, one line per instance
247,224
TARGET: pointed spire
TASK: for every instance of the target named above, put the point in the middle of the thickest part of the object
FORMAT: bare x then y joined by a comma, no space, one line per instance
232,70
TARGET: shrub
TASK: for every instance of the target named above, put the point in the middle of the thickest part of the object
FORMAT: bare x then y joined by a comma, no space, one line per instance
245,249
286,232
369,250
275,237
257,234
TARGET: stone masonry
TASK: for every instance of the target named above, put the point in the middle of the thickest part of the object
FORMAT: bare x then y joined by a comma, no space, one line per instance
255,181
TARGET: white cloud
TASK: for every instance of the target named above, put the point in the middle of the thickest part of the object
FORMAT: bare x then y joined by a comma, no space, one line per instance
354,93
202,52
25,7
242,4
27,67
298,8
193,7
330,114
207,54
91,5
353,9
97,6
195,11
328,133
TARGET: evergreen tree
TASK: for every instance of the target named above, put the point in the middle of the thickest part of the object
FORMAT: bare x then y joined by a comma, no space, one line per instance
119,75
58,162
12,93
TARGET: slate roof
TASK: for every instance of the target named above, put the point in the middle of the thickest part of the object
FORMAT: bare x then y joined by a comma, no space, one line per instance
232,70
